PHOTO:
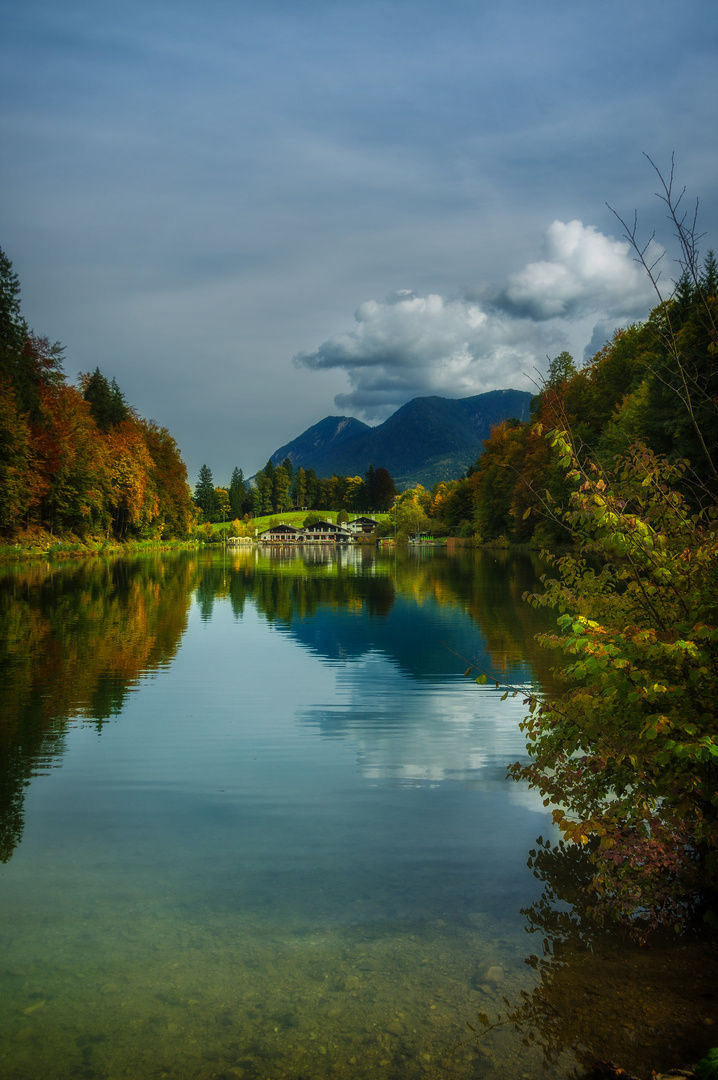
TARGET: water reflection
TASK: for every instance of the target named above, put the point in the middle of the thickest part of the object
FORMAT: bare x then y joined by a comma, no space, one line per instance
75,639
302,857
601,996
78,637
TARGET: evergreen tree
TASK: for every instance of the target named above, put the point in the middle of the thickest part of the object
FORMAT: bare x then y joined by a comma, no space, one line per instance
13,328
281,495
370,489
204,493
384,490
313,490
287,464
119,410
299,488
237,493
98,395
28,361
709,277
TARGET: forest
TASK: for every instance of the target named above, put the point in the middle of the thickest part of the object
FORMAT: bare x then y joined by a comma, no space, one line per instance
78,461
278,488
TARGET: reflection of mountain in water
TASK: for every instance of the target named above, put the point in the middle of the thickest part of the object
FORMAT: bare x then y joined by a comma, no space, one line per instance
412,628
417,639
422,612
77,637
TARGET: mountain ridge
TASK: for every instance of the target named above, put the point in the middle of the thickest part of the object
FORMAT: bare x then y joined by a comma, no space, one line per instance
426,440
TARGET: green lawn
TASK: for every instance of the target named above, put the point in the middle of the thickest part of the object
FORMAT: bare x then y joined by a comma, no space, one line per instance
296,518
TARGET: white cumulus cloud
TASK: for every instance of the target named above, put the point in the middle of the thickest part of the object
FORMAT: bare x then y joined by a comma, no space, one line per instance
409,345
582,272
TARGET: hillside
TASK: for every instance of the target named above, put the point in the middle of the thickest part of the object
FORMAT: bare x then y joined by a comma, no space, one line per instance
426,440
319,440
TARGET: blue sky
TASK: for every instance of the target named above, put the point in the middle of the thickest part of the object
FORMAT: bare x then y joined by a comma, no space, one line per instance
256,214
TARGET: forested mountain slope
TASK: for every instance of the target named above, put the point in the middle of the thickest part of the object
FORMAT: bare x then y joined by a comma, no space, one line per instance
426,440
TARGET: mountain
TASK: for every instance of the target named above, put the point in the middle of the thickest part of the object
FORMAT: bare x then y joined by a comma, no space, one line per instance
426,440
317,441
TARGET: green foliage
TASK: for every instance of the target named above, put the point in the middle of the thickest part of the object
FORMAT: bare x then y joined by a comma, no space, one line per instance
411,518
560,370
707,1067
628,755
204,493
238,499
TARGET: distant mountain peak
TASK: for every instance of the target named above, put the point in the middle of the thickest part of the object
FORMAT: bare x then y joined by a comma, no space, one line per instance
317,440
427,439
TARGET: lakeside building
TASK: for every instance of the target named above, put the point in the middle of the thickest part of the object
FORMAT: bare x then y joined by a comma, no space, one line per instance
319,532
280,534
361,526
325,532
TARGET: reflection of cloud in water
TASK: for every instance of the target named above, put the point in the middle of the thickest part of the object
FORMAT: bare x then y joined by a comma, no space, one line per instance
529,798
446,728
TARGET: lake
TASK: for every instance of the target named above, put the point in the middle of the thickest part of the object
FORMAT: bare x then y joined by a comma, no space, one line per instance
255,823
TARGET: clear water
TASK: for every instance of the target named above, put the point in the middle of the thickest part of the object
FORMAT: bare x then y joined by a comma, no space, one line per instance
256,824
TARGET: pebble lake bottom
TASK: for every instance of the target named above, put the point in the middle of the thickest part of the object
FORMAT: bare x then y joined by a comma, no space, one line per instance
267,834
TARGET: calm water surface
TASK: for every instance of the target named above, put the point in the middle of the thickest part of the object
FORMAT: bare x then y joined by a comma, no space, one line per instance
255,824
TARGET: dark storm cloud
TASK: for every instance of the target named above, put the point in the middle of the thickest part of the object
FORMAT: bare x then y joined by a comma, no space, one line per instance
193,194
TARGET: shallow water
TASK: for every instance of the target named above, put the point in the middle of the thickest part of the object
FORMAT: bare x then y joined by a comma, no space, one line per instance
256,824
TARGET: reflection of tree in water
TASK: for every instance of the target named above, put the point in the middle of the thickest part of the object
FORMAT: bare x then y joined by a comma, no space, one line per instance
287,588
601,995
75,639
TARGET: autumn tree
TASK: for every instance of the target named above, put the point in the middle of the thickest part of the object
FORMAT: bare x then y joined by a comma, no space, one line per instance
20,485
169,480
222,504
412,518
133,501
74,464
355,495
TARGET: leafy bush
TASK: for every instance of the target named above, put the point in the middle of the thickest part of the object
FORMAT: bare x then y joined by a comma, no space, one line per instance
628,755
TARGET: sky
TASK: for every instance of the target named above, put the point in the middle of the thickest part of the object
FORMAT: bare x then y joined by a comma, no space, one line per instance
257,213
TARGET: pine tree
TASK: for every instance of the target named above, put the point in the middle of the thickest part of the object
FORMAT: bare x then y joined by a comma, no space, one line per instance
237,493
709,277
204,493
119,410
13,328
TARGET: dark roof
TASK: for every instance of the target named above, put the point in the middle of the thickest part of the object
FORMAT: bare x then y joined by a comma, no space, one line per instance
323,525
279,528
